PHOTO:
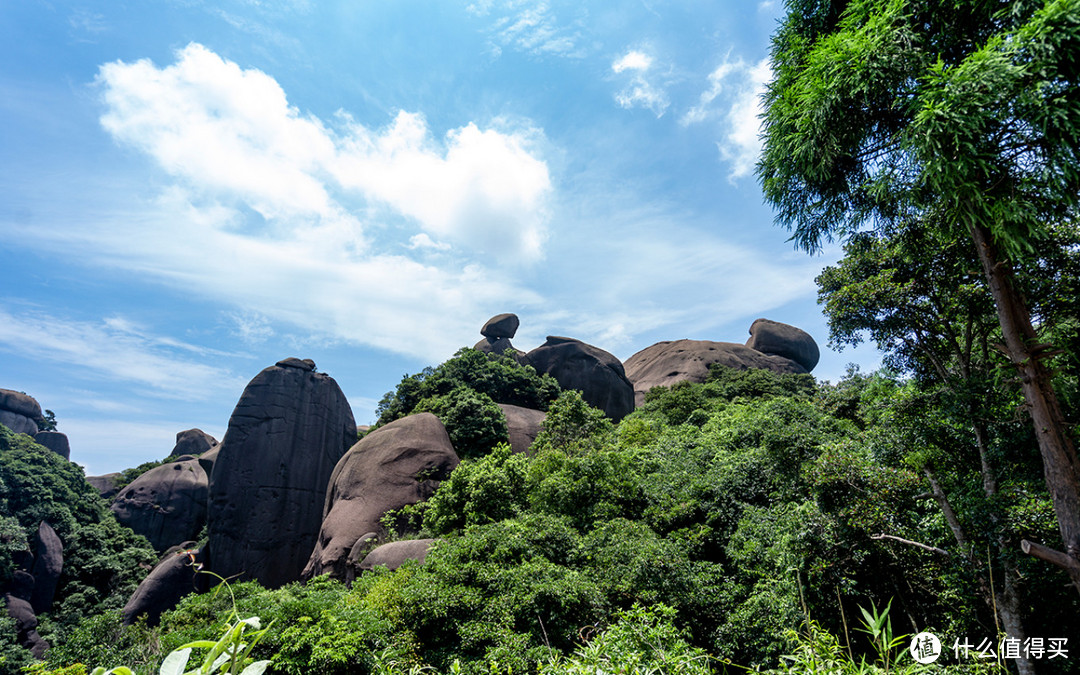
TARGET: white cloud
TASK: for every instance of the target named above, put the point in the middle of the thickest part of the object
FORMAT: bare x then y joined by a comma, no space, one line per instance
633,60
232,138
739,86
640,91
529,26
419,241
112,349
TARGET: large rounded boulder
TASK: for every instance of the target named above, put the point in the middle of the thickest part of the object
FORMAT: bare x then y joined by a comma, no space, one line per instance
167,504
665,363
780,339
171,579
269,481
48,565
523,425
598,375
193,442
19,412
394,554
396,465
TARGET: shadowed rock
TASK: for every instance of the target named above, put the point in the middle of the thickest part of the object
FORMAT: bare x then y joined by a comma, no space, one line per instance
523,425
665,363
20,403
55,441
501,326
394,554
780,339
20,424
167,504
20,609
193,442
392,467
48,565
170,580
598,375
269,482
105,484
495,346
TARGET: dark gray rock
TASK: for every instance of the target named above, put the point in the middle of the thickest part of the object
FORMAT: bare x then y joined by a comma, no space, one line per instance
501,326
495,346
293,362
269,482
20,424
193,442
171,579
523,425
48,565
665,363
26,623
208,458
20,403
598,375
105,484
394,554
55,441
392,467
167,504
780,339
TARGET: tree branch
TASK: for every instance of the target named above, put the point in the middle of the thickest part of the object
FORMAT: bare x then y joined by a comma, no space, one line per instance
1062,560
927,547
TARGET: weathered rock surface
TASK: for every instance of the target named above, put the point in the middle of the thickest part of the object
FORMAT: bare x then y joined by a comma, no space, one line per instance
780,339
48,565
392,467
193,442
20,424
665,363
598,375
167,504
105,484
523,425
20,609
501,326
495,346
269,482
394,554
20,404
170,580
55,441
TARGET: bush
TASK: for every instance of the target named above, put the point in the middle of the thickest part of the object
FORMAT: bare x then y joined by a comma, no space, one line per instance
472,420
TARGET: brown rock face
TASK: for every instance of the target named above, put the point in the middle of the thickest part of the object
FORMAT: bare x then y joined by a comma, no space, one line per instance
55,441
393,466
167,504
665,363
105,484
523,425
20,403
598,375
269,481
780,339
394,554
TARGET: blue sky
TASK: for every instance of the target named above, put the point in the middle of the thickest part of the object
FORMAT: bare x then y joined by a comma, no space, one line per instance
191,191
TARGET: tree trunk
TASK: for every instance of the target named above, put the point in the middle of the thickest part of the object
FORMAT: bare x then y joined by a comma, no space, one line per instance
1061,469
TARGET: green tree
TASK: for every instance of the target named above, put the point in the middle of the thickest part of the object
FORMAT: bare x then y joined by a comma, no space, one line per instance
962,116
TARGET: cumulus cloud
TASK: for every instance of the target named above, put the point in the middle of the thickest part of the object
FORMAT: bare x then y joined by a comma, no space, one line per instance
230,135
640,89
734,97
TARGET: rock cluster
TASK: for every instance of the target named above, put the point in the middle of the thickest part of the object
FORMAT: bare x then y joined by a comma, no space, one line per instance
497,333
772,346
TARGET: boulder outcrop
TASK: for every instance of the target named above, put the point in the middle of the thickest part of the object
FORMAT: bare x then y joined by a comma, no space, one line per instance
501,326
171,579
193,442
394,554
780,339
167,504
269,482
20,609
598,375
396,465
665,363
19,412
105,484
523,425
48,565
55,441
